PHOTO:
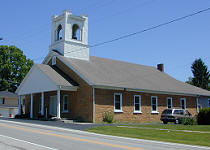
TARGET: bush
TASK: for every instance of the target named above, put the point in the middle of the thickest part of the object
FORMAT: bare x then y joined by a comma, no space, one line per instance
189,121
204,116
108,117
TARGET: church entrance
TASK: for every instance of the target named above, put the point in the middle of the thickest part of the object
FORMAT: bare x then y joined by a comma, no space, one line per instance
53,105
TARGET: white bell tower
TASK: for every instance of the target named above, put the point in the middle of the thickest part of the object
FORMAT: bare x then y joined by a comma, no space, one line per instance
70,35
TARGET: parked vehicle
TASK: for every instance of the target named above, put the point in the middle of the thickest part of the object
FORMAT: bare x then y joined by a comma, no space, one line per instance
174,115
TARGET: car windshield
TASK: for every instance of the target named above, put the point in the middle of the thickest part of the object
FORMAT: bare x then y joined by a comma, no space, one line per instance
180,112
167,111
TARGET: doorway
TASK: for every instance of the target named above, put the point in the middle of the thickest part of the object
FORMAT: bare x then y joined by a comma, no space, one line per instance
53,105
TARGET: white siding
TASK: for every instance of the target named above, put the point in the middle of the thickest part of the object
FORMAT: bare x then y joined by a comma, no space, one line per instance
36,82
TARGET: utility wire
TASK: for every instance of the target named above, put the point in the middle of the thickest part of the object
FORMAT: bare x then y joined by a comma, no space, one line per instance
144,30
151,28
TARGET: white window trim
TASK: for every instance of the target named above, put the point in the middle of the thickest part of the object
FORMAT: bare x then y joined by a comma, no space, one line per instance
209,102
65,111
154,112
170,100
184,103
118,110
137,111
54,60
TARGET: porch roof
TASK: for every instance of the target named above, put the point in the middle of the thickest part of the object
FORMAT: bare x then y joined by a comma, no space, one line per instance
43,78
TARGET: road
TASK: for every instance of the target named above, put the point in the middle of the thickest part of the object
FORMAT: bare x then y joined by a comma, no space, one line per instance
27,136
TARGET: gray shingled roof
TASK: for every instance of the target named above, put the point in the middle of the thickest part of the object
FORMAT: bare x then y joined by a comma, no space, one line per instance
8,94
53,75
112,73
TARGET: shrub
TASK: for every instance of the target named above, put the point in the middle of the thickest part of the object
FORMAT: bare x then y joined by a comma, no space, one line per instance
204,116
189,121
108,117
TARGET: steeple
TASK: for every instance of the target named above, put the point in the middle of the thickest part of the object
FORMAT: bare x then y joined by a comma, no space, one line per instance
70,35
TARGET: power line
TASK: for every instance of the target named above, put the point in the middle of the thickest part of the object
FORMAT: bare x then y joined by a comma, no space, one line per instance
144,30
151,28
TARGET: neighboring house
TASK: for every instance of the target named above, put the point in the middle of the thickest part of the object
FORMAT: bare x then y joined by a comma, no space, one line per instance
203,102
71,84
8,104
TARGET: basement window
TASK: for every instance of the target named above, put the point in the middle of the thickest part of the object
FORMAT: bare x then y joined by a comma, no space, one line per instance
154,104
117,102
137,104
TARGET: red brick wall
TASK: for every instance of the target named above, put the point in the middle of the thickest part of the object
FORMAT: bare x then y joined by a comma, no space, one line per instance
83,102
104,101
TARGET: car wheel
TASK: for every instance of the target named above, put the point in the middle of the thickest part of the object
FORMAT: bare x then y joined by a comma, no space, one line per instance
165,122
176,121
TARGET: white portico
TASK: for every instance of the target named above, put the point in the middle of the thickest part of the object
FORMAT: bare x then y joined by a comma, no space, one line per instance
43,79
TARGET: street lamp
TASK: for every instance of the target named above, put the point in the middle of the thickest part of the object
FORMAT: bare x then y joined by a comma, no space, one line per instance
1,38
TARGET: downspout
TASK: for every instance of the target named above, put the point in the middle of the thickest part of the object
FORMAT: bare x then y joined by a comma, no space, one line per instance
197,104
93,104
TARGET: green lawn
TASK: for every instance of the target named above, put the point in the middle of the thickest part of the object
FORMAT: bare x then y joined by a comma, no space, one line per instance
149,132
176,127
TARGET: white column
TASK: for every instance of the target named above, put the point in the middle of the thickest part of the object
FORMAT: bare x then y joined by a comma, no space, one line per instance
42,104
32,101
58,104
19,105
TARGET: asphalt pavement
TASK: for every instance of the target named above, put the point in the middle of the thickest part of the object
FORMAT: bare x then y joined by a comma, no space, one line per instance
20,135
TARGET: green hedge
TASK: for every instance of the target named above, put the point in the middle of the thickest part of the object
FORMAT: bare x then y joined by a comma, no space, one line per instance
204,116
189,121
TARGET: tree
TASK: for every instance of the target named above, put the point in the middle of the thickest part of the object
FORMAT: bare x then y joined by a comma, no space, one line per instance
13,67
189,81
201,75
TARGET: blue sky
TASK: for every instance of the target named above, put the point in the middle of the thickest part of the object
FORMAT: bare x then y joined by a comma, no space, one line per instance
27,24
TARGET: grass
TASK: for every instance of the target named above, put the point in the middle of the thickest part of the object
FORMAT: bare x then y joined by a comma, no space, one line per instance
177,127
149,132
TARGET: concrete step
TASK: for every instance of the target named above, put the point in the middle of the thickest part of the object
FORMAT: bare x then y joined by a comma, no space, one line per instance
67,121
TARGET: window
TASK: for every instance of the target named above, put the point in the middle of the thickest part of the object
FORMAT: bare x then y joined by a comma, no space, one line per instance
65,103
183,103
209,102
59,33
137,104
167,111
117,102
54,60
1,100
178,112
40,107
76,32
169,102
154,103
